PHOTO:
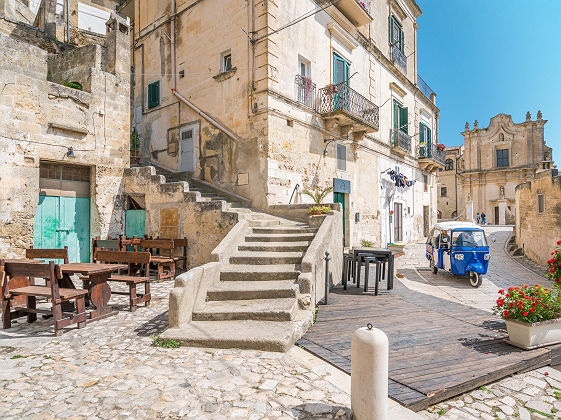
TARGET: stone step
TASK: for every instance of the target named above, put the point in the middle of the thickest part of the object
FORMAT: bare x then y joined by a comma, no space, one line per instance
274,246
283,230
263,222
257,335
282,237
244,290
259,272
259,258
254,309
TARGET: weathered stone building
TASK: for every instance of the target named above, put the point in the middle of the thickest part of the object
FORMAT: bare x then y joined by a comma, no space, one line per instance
448,198
64,136
493,162
246,98
538,215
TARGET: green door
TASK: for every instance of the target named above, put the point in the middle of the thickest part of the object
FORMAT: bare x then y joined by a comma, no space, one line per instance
134,223
340,198
341,68
64,221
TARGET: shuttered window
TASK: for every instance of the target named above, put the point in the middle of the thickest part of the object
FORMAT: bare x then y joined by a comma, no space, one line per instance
425,134
341,157
154,94
401,117
396,33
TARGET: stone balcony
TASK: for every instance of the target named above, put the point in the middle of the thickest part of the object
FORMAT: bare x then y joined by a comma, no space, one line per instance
348,111
430,158
357,11
401,142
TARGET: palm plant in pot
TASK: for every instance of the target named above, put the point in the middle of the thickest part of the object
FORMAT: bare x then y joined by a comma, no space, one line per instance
533,313
317,212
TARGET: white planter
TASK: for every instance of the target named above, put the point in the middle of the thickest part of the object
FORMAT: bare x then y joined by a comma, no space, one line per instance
531,336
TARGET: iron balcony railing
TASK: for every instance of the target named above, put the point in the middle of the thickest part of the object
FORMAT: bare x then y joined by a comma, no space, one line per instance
431,151
305,91
341,97
366,5
398,57
401,140
427,91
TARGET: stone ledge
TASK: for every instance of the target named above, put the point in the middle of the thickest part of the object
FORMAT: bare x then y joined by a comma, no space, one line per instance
225,75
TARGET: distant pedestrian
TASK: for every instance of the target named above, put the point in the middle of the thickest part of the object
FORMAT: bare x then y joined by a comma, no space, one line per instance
477,217
483,216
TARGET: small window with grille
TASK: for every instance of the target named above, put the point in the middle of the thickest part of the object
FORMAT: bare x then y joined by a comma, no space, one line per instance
341,157
226,61
541,204
502,158
443,191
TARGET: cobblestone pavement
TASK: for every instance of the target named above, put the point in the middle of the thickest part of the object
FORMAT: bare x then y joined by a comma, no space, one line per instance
110,369
531,395
502,273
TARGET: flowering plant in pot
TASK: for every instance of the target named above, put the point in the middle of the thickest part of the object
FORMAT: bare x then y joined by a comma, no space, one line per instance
555,266
532,315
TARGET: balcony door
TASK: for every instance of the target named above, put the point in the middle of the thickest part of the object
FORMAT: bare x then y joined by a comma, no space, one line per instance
341,69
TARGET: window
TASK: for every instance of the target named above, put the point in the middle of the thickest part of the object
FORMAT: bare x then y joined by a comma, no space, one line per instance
469,238
426,182
502,158
443,192
425,135
449,165
226,61
400,117
341,69
154,94
396,33
304,67
341,151
541,204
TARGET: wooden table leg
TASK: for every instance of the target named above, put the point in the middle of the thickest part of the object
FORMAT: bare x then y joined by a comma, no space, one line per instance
100,292
67,283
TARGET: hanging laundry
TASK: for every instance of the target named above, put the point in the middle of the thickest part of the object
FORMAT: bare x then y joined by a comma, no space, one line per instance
400,180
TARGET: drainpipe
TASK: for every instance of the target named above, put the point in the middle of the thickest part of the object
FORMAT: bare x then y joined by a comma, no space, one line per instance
207,117
67,21
173,11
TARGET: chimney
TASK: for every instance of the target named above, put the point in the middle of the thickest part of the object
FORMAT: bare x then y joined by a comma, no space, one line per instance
49,18
117,45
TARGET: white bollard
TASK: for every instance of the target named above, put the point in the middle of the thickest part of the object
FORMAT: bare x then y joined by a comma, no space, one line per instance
369,374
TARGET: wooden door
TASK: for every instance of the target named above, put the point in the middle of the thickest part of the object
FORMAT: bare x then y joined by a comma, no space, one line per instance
169,223
340,198
496,215
135,223
398,222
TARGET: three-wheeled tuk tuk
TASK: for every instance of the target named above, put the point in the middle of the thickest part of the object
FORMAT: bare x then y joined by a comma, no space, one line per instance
460,248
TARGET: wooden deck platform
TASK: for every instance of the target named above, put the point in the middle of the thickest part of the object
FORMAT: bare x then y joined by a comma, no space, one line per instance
438,349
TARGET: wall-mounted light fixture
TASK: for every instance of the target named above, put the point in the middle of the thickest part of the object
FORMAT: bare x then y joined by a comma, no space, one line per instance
70,152
344,140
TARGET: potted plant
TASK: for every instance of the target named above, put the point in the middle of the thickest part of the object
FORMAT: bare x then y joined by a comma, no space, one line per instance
440,147
531,314
555,266
366,243
317,213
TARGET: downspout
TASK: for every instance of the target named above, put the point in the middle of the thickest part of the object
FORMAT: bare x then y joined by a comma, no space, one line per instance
173,11
67,21
207,117
252,87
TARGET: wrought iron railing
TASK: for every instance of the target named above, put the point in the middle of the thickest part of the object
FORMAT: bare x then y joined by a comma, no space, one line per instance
341,97
401,139
431,151
398,57
427,91
305,91
366,5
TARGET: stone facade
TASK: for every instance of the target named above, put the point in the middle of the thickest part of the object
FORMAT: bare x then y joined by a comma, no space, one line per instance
448,199
46,123
249,123
494,160
539,228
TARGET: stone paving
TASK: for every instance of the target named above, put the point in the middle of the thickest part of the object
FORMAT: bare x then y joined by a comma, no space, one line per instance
531,395
110,369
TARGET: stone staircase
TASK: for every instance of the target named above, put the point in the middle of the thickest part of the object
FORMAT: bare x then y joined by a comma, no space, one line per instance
258,302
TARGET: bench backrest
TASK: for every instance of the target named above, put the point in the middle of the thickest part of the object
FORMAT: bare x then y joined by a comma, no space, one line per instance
50,254
165,245
125,257
50,272
132,242
105,244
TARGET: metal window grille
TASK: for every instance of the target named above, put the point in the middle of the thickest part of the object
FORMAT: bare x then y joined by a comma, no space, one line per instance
541,204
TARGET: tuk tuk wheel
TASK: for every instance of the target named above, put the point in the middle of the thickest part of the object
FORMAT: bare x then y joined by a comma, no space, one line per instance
474,278
434,268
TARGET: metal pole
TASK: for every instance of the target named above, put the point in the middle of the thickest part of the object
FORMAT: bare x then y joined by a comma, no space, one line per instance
326,275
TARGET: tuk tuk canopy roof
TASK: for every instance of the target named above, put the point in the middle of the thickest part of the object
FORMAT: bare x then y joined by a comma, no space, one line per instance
456,225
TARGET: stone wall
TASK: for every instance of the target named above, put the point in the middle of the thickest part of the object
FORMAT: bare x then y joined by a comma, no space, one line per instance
537,234
41,120
204,224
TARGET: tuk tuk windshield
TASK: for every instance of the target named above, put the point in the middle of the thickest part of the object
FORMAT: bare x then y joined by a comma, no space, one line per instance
468,238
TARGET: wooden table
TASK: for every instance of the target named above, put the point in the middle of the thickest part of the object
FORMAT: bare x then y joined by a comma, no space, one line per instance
378,252
99,289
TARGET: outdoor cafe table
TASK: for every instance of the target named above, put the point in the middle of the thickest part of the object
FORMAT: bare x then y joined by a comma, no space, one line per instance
99,290
378,252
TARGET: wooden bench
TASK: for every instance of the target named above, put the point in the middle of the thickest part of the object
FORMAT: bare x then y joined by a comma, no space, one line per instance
52,274
179,252
138,273
133,242
161,251
47,254
105,245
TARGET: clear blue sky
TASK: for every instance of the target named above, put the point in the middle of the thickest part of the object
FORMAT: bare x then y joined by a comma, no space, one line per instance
484,57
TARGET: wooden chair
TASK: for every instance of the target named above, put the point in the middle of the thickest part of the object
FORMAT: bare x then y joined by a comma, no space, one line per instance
161,251
133,242
47,254
134,260
180,255
52,274
105,245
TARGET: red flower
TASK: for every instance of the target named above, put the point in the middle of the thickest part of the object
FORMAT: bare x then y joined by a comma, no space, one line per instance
546,374
507,295
559,242
524,313
506,314
531,310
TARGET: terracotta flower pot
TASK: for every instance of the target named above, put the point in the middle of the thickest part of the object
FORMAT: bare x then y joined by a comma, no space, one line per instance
530,336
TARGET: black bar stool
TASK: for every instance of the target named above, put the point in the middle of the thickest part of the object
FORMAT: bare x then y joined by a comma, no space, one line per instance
378,262
347,268
358,262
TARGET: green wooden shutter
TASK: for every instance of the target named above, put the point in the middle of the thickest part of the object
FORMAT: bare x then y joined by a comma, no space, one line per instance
404,119
154,94
390,28
396,115
421,133
429,139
